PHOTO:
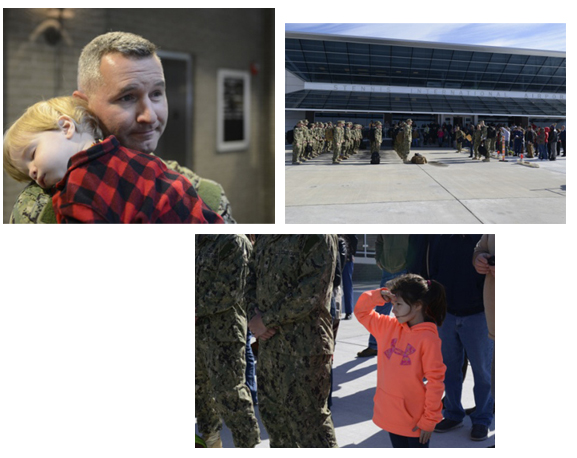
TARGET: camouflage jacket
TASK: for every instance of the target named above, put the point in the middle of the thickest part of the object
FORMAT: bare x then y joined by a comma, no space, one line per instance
298,136
348,134
221,269
338,135
34,204
407,133
291,284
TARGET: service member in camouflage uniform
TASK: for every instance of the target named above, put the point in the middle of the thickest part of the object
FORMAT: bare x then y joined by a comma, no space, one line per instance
314,142
222,269
308,140
338,139
460,137
34,205
405,143
371,135
329,136
320,133
477,137
358,135
291,293
298,143
376,144
347,146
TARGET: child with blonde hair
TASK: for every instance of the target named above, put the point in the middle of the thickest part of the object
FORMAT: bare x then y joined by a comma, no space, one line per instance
409,352
96,181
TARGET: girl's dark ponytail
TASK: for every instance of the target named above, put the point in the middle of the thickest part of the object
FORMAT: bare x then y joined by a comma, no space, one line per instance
436,302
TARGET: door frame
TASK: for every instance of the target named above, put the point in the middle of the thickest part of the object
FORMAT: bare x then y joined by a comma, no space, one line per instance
188,60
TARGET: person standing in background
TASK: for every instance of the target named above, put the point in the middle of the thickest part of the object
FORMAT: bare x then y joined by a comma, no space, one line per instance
351,243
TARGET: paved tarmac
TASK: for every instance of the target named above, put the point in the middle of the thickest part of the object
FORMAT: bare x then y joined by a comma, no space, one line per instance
450,188
354,387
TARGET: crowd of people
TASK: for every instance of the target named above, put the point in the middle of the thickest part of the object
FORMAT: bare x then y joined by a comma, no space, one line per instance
488,139
289,293
309,141
344,139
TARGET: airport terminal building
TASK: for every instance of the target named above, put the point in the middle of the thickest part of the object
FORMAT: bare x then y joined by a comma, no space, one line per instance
330,77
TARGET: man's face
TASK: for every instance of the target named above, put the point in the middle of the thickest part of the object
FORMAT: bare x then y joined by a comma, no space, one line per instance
131,101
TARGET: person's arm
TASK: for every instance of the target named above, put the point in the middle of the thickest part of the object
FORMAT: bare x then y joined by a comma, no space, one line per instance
434,372
311,284
222,277
365,313
33,206
481,255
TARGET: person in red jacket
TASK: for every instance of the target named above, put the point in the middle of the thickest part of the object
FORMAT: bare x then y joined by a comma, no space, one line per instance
409,352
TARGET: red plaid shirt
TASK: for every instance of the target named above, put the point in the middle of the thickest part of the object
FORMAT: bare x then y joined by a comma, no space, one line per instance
108,183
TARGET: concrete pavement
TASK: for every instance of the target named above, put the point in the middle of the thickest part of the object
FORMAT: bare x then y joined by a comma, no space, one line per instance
354,387
451,188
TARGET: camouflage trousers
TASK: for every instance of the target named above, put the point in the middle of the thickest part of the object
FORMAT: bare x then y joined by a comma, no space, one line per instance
476,148
297,152
221,392
404,150
336,151
293,393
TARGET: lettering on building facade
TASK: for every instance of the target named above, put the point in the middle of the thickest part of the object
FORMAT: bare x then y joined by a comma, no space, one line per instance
432,91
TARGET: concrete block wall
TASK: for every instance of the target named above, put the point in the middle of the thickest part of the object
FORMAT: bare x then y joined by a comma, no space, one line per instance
216,38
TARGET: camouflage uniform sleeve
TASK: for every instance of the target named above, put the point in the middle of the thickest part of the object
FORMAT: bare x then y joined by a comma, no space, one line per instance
315,272
222,273
33,206
210,191
250,293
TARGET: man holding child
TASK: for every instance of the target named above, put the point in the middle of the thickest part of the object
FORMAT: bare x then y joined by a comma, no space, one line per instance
122,80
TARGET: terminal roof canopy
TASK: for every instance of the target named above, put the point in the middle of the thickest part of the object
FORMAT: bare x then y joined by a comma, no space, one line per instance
412,103
364,61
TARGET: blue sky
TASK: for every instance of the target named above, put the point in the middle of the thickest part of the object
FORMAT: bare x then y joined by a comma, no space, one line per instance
549,37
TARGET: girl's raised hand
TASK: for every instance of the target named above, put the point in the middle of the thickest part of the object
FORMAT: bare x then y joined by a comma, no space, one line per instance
387,295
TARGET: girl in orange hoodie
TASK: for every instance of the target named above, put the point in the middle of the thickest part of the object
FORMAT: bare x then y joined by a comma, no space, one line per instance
409,351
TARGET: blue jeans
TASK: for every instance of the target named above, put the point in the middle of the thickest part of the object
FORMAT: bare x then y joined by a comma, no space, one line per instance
250,370
467,334
348,287
406,442
386,308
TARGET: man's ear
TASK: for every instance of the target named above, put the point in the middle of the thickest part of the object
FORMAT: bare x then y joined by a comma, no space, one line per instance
67,125
80,95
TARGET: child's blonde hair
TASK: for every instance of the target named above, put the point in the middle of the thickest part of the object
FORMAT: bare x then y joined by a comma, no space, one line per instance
41,117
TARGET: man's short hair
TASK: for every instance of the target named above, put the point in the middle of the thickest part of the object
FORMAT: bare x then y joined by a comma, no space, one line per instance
128,44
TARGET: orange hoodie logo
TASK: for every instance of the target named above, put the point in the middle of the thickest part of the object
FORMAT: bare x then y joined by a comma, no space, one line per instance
405,360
